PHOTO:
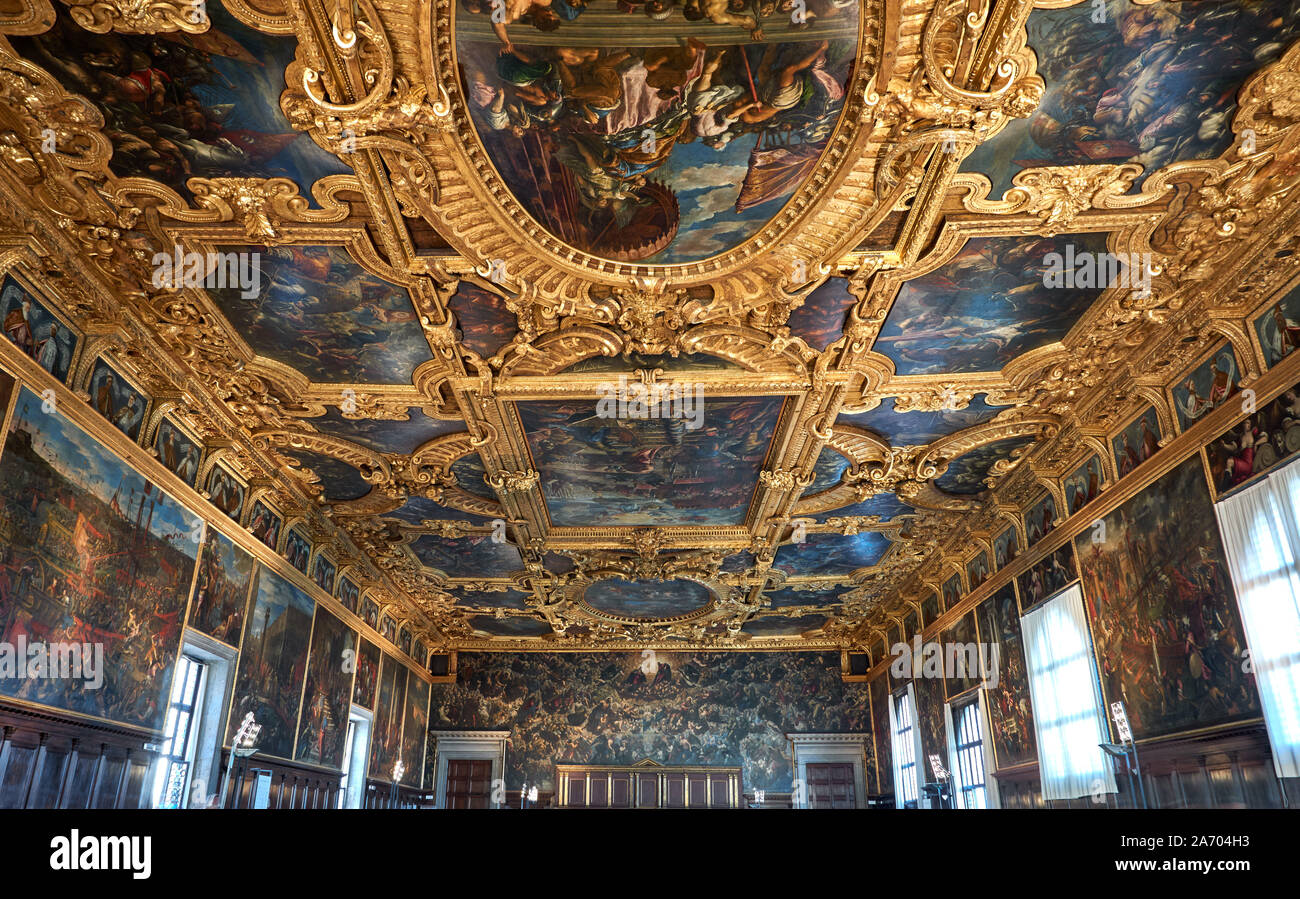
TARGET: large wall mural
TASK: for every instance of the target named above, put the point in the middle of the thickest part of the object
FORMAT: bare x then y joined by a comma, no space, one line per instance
331,664
272,662
672,142
90,553
1164,617
677,708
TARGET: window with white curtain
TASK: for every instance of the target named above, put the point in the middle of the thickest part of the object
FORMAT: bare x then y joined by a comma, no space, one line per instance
902,717
1261,537
1068,713
968,755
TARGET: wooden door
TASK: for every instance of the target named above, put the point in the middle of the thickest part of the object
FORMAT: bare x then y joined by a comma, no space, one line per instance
469,783
831,786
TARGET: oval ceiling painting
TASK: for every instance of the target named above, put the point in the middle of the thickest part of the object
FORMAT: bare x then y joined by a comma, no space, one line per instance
655,131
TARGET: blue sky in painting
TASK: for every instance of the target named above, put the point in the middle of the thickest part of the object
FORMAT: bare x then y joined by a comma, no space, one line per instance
966,474
985,306
510,627
340,480
483,599
820,320
384,435
1153,85
920,428
275,597
822,554
886,505
81,460
475,556
827,471
418,508
707,184
646,598
469,472
321,313
783,627
821,596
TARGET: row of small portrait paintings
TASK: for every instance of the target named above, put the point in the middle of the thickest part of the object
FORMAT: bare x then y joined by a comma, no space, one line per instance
1263,441
1205,388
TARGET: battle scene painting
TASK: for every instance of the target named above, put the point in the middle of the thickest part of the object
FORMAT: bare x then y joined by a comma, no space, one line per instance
33,328
1164,617
994,300
386,737
221,591
1150,84
272,662
316,310
476,555
323,725
90,552
665,141
180,105
675,708
1011,716
367,675
415,724
633,471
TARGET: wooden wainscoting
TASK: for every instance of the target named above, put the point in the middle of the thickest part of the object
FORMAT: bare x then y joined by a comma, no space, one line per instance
289,786
51,761
1231,768
647,784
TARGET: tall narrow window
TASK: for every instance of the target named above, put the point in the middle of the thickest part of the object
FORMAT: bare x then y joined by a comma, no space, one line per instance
904,723
177,754
1063,687
1261,536
348,749
968,747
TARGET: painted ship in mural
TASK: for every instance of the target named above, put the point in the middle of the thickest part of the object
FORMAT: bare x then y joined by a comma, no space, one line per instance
652,130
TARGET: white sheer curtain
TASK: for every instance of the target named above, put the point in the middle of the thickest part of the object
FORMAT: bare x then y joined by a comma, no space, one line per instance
1068,715
1261,534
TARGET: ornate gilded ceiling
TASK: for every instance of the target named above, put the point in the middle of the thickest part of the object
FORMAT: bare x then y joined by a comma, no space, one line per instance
847,239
